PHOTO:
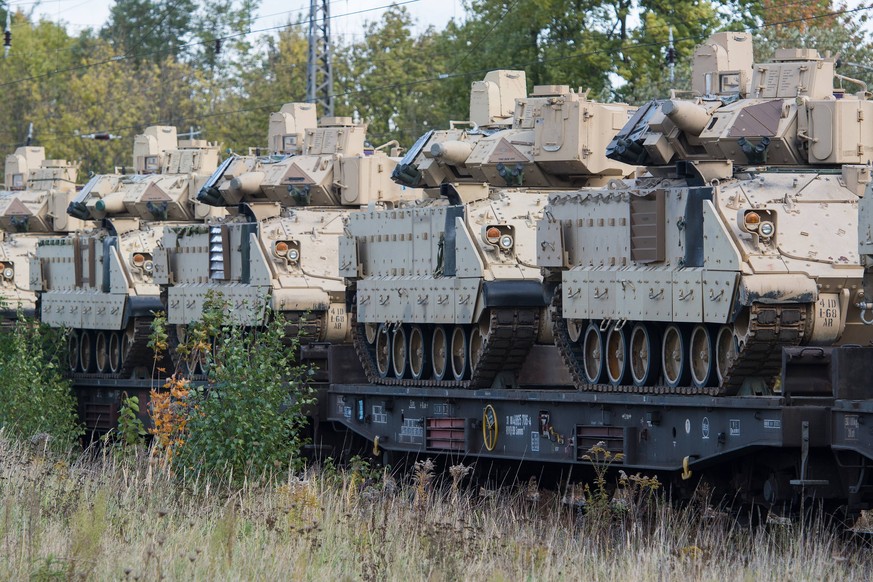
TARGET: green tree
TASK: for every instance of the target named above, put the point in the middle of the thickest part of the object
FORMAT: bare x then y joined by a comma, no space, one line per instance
29,78
391,78
261,87
149,30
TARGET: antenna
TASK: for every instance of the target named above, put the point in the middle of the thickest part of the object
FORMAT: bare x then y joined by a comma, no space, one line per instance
319,77
29,138
671,56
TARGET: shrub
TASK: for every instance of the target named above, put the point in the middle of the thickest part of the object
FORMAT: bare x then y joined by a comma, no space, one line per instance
249,417
35,397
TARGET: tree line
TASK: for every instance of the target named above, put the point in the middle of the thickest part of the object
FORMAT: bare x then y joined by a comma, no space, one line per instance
213,67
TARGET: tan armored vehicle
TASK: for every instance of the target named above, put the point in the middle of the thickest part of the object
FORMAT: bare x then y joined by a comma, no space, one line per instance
865,247
277,252
739,240
446,291
32,208
101,284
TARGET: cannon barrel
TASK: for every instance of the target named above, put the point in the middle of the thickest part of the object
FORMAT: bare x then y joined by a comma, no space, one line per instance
689,117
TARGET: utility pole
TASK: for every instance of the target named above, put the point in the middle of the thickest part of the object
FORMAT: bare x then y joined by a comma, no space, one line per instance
7,34
319,71
671,58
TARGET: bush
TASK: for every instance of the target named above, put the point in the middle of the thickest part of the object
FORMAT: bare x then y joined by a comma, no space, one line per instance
249,417
34,395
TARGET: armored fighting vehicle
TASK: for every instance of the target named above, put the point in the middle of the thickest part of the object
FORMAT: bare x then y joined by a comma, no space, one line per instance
101,284
277,251
446,291
32,208
739,240
865,248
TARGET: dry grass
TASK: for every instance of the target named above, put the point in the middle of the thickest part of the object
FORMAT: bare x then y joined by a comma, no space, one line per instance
110,519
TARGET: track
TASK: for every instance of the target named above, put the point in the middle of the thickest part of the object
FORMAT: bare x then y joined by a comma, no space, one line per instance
771,327
511,334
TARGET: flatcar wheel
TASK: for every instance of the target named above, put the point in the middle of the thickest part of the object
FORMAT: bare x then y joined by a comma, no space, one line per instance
383,350
459,350
86,351
643,355
702,356
417,353
477,344
616,355
114,352
399,349
575,329
725,351
101,352
439,352
73,350
592,350
370,330
674,357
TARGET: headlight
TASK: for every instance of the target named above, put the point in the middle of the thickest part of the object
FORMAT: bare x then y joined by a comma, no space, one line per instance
492,235
142,261
287,249
766,229
506,242
752,220
8,273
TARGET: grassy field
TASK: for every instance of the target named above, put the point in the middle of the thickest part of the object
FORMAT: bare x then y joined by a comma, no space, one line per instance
125,517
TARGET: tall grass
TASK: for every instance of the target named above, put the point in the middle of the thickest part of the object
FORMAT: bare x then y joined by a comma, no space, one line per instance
106,517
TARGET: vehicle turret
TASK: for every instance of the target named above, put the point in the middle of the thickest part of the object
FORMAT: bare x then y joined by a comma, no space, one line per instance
788,114
553,138
333,167
38,192
169,174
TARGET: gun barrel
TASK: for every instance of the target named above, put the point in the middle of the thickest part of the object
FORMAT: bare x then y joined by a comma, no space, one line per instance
452,152
689,117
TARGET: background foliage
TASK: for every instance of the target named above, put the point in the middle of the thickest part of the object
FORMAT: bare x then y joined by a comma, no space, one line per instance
36,401
208,67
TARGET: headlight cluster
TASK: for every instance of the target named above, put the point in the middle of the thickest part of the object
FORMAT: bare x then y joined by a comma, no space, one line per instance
8,271
500,236
143,261
760,222
288,250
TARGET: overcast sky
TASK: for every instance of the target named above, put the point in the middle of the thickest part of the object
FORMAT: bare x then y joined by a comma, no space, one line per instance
347,16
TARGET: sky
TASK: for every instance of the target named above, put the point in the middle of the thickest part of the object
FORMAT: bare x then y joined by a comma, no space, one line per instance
347,16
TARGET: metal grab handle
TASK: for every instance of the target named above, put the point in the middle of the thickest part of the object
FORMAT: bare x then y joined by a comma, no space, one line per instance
686,295
571,293
600,294
864,309
714,297
653,295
